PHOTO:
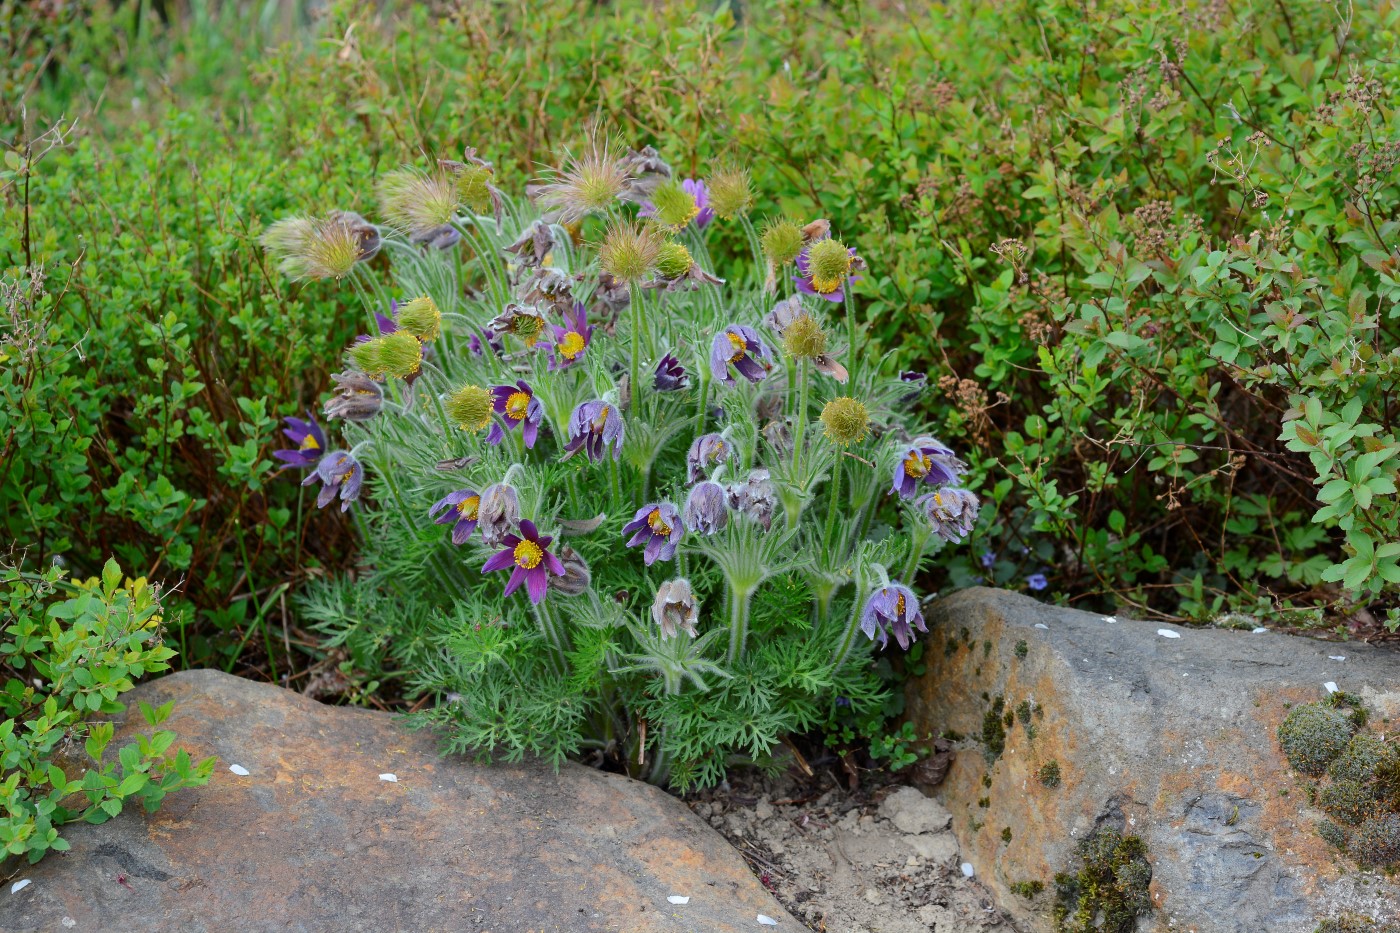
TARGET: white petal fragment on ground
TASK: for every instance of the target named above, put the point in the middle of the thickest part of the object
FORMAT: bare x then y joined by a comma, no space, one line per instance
678,899
391,778
1168,633
1260,630
1042,625
1336,657
1331,687
1110,619
238,770
967,869
20,885
767,920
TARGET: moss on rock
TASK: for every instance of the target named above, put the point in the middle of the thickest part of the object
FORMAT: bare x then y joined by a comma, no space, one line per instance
1349,802
1313,735
1110,891
1359,760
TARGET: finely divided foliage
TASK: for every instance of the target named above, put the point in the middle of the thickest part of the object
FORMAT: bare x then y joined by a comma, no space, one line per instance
670,562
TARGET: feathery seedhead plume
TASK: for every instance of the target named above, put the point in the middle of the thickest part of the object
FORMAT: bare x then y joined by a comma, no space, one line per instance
630,251
525,322
804,337
418,202
730,191
645,170
586,184
470,407
320,248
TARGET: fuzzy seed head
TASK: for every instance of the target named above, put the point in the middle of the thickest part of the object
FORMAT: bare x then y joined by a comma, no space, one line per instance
474,187
781,241
804,337
416,201
312,248
674,260
400,354
829,262
675,207
470,408
630,250
846,421
366,357
421,318
731,192
587,183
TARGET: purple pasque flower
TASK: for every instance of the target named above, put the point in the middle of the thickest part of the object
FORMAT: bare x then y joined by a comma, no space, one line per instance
529,554
474,344
572,339
658,526
309,439
340,474
738,345
706,508
592,427
697,190
1037,582
925,461
459,509
671,375
706,451
952,511
812,281
892,610
516,405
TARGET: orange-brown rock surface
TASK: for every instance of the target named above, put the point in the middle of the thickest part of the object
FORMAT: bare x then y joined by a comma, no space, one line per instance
313,839
1171,739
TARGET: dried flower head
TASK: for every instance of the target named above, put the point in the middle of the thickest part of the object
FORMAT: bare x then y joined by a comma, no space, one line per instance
317,248
730,192
755,497
645,170
672,206
586,184
524,322
416,201
533,246
421,318
577,577
677,270
706,508
357,397
781,241
475,179
498,511
846,421
675,608
470,407
804,337
630,251
951,510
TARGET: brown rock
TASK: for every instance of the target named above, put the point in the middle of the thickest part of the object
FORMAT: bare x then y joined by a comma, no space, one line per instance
313,839
1169,739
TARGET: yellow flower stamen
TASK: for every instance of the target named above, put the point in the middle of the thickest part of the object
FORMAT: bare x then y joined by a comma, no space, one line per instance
528,554
309,443
899,604
917,465
571,346
740,345
658,524
518,406
468,507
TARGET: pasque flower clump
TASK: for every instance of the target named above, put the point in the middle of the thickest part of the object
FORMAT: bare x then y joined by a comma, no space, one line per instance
692,496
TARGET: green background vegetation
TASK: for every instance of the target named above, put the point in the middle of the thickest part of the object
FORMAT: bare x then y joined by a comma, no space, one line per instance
1145,251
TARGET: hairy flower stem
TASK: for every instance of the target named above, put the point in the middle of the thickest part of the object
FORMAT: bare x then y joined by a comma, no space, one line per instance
922,531
740,601
635,306
800,431
660,771
833,503
854,352
555,636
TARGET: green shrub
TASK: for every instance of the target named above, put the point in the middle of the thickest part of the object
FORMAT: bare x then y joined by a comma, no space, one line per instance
66,661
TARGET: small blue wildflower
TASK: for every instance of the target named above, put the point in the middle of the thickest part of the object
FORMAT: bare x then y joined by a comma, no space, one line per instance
1037,582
